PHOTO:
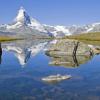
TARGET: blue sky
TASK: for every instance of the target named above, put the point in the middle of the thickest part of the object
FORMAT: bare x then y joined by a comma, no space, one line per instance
53,12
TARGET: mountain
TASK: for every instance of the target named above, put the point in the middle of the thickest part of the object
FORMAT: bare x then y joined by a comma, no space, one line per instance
59,31
24,25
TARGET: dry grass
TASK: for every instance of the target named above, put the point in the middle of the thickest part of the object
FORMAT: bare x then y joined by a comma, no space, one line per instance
4,38
89,38
86,36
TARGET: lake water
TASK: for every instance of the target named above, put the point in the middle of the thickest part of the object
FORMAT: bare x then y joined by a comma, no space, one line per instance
25,63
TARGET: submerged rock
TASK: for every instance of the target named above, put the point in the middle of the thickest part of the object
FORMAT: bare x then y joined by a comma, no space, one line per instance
56,78
69,53
66,47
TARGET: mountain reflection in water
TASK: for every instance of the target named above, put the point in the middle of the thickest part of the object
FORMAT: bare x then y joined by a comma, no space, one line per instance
25,63
62,53
23,50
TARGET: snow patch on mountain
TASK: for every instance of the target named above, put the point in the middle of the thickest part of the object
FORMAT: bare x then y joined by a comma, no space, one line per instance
14,26
57,31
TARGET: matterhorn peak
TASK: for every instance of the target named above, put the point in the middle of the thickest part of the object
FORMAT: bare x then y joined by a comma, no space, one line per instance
22,16
22,8
24,24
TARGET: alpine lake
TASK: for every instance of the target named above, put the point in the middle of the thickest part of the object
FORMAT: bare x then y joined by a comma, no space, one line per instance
24,63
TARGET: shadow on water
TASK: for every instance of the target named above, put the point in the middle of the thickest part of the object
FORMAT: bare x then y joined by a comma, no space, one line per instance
0,53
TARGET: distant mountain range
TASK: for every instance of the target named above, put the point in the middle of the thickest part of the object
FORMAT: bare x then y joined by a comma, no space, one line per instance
24,25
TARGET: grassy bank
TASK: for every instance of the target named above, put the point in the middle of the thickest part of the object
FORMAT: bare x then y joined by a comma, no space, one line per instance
4,39
89,38
86,36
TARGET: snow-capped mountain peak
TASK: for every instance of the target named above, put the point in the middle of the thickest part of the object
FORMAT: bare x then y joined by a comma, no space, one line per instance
22,16
23,21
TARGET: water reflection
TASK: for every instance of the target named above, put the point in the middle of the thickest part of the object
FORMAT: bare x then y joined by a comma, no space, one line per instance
25,83
69,61
66,53
69,53
23,50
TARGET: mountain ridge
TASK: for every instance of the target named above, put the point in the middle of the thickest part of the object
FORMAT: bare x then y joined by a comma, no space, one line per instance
25,25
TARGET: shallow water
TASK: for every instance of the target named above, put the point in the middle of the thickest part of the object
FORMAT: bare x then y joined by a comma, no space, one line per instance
25,63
